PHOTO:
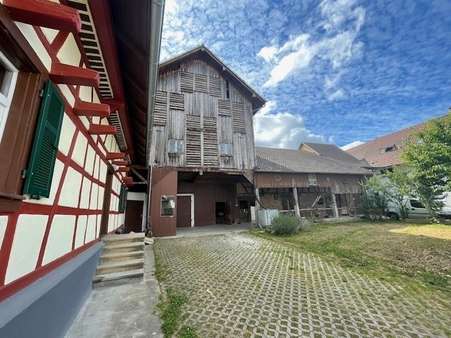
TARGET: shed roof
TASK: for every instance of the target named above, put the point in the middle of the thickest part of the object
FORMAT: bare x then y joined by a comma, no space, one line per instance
329,150
295,161
204,53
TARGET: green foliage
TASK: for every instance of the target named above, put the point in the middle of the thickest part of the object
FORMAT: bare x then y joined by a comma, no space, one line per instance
171,312
401,185
428,155
374,198
285,225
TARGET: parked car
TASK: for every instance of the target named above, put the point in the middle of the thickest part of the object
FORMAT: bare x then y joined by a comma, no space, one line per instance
416,209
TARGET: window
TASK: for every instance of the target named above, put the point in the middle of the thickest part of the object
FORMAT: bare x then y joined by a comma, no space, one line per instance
416,204
225,149
43,154
8,78
227,89
312,180
175,147
389,149
167,205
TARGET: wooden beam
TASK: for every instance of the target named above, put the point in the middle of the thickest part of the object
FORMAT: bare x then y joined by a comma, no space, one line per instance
91,109
101,129
123,169
72,75
115,156
120,163
44,13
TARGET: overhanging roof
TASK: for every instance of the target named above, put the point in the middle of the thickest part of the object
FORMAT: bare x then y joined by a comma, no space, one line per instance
203,52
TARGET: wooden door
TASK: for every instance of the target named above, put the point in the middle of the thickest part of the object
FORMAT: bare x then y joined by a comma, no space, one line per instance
106,203
134,216
184,211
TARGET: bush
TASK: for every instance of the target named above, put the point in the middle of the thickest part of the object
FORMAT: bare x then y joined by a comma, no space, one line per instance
285,225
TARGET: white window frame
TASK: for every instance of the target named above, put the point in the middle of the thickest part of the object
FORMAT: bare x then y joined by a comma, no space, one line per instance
312,180
6,91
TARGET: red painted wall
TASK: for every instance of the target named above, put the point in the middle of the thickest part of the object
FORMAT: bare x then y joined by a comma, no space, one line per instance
164,182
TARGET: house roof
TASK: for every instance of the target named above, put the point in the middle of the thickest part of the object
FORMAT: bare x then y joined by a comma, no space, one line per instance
328,150
295,161
385,151
204,53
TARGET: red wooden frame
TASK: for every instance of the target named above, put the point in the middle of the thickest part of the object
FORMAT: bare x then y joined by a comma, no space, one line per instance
71,75
44,13
91,109
115,156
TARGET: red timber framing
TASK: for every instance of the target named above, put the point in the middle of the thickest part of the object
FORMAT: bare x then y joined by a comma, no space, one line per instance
70,75
97,143
102,129
92,109
44,13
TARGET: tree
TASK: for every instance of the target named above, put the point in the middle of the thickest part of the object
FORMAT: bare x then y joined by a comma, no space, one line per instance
401,186
374,197
428,155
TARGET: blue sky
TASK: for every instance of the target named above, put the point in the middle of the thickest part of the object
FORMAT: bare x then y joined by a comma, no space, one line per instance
335,71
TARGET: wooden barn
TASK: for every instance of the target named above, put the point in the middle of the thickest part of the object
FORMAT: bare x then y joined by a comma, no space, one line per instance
317,180
77,77
202,148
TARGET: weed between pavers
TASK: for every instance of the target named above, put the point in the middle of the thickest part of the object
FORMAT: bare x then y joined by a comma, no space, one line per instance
171,314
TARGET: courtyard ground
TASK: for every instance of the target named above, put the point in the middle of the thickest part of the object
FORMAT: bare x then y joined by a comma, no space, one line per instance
256,285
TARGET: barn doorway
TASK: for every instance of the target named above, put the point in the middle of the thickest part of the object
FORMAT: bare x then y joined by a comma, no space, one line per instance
134,216
185,210
220,212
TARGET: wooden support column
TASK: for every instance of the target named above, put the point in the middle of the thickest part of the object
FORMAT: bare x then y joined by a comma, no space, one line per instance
296,201
334,205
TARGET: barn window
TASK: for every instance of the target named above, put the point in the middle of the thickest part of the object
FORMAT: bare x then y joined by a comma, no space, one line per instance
167,205
312,180
43,154
175,147
8,78
227,89
225,149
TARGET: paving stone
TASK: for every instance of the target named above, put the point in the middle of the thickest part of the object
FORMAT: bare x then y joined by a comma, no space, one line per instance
242,286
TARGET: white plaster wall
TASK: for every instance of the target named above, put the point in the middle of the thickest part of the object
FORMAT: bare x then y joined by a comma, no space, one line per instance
67,133
94,196
91,228
29,33
3,224
60,237
67,94
49,33
85,93
80,149
57,173
69,52
71,189
84,200
26,245
90,156
81,227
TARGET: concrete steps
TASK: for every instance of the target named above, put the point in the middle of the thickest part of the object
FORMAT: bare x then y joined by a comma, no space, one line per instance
122,257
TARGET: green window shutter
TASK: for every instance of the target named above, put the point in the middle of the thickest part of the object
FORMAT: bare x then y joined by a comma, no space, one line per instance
122,199
43,154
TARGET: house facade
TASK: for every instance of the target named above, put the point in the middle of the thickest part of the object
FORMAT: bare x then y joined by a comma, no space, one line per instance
202,148
69,89
317,180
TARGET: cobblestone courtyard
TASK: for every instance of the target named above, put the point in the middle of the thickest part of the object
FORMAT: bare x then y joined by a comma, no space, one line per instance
242,286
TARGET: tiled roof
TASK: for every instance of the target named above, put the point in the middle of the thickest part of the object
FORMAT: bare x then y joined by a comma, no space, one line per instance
385,151
331,151
295,161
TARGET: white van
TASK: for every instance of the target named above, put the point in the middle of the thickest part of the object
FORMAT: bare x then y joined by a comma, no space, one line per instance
416,209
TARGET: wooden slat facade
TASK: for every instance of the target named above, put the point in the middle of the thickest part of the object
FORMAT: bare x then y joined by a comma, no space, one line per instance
214,112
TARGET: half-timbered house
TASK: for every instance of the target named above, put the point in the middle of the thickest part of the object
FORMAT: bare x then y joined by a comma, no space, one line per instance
76,77
202,149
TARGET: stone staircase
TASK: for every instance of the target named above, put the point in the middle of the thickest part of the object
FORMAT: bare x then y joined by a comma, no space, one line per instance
122,257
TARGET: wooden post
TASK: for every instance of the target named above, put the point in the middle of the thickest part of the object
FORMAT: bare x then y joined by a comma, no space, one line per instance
334,205
296,201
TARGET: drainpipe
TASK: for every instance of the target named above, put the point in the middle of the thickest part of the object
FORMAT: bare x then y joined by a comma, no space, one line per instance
155,29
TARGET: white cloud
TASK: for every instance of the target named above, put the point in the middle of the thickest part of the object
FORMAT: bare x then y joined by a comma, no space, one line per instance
351,145
282,130
336,95
342,20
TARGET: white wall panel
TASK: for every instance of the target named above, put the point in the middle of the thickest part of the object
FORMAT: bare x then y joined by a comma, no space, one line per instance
60,237
81,227
26,245
84,201
89,166
91,228
69,53
30,34
3,224
80,149
71,189
67,133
